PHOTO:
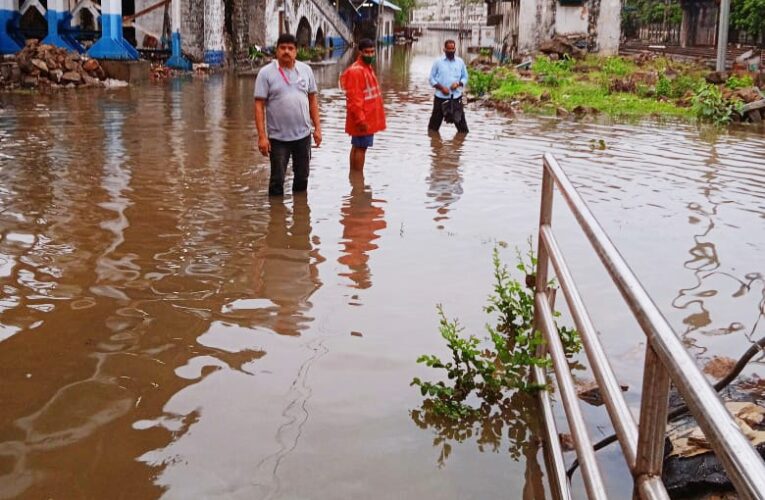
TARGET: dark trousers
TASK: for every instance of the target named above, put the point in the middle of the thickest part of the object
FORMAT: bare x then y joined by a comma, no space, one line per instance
438,116
281,151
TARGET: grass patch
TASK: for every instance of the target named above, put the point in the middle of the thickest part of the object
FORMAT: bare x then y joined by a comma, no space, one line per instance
615,86
573,94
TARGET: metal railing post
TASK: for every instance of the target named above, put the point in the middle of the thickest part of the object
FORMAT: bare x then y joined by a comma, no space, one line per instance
552,450
653,417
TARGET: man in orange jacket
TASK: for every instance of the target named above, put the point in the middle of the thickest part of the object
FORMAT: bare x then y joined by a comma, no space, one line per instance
365,115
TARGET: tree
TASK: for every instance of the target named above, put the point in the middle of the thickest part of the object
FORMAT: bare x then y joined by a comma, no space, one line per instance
749,16
407,6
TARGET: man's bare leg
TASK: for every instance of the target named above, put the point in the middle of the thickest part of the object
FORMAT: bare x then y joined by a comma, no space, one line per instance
358,156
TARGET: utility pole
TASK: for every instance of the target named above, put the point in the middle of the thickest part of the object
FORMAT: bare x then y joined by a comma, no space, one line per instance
722,34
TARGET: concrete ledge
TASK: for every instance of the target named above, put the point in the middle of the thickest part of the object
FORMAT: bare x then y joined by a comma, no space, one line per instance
132,72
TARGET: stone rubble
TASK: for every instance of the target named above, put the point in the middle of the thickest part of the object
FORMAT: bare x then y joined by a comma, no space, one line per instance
40,66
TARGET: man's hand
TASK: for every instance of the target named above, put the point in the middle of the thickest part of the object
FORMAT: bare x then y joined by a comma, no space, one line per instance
264,145
362,127
455,85
317,137
444,89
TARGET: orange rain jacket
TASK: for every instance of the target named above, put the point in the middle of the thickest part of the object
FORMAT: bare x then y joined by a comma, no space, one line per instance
363,99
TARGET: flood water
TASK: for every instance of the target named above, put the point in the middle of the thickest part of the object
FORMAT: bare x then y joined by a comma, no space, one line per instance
167,330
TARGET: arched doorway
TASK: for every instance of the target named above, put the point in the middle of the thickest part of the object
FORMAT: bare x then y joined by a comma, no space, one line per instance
320,39
303,33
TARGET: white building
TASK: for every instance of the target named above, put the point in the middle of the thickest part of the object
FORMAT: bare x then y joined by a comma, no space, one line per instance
448,14
522,25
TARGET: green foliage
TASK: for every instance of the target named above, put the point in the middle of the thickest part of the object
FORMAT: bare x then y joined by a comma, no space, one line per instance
553,73
663,87
310,53
637,13
653,11
588,83
482,83
407,6
255,53
739,82
749,16
685,83
488,369
710,106
617,67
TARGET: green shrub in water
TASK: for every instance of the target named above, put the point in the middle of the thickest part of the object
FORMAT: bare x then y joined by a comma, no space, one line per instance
490,369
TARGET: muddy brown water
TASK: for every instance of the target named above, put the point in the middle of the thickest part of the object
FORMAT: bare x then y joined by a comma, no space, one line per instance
167,330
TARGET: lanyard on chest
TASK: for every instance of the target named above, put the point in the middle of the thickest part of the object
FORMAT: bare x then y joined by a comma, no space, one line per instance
281,72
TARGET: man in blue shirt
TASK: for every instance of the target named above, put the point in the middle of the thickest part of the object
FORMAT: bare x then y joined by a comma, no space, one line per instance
449,77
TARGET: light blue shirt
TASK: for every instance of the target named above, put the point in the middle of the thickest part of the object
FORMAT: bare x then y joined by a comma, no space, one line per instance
447,72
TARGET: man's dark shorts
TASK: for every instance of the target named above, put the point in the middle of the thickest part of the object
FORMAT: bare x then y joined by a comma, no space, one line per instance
363,141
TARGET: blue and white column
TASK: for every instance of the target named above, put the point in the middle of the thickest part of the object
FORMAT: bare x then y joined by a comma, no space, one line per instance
214,45
10,39
59,18
177,60
112,44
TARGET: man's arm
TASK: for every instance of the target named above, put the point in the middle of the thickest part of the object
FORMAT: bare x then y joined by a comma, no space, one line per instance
354,97
264,145
463,75
434,80
313,108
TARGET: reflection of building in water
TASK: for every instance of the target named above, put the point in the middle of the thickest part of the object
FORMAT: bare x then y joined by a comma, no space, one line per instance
704,296
362,218
286,271
445,179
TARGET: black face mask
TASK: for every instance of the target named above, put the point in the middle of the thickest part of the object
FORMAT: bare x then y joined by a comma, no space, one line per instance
449,54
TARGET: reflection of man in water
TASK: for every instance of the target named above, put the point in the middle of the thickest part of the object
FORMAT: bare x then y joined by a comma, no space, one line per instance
362,218
445,179
287,266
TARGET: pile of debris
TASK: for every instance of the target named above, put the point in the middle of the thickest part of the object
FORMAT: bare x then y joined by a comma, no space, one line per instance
46,66
560,46
754,104
752,98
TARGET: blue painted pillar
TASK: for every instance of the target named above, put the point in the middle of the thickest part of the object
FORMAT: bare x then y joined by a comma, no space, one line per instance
214,19
10,39
59,18
112,44
177,60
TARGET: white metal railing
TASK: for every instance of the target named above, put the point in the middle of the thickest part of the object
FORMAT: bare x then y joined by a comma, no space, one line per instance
666,362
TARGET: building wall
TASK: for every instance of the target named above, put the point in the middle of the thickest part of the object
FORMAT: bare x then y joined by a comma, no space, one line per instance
609,27
571,20
149,24
294,10
599,20
448,12
253,21
192,28
257,27
388,20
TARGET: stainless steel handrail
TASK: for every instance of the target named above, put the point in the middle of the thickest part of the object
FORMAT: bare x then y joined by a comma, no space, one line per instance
666,362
